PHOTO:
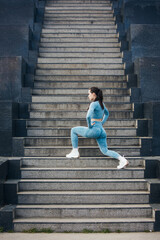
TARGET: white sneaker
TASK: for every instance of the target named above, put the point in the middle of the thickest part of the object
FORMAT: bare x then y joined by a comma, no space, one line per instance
122,163
73,154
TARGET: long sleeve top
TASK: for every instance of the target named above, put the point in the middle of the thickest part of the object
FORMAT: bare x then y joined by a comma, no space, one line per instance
96,112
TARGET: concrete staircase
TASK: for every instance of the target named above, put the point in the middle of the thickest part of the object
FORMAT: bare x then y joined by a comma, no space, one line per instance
80,48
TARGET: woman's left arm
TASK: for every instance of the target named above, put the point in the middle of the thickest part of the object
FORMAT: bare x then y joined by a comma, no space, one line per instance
106,115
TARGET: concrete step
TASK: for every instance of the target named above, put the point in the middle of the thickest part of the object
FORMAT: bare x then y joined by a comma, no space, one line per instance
83,162
75,5
79,225
79,44
60,122
82,185
81,173
81,21
79,4
48,82
72,25
66,141
68,91
83,4
50,151
78,1
78,39
80,49
79,31
81,115
84,211
78,8
65,132
76,106
81,72
80,35
76,98
80,66
81,27
83,79
79,11
79,60
91,2
108,18
79,15
107,15
77,197
80,55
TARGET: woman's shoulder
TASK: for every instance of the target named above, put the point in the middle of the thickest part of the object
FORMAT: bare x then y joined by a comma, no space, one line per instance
94,104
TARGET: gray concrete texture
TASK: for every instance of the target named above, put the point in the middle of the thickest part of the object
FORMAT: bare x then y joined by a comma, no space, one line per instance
77,236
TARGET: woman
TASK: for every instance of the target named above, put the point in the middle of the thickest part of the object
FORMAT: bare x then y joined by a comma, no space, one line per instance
97,115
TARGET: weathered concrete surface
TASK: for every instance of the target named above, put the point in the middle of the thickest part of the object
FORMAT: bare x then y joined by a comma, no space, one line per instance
77,236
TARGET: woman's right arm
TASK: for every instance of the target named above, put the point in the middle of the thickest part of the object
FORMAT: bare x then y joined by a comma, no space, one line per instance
89,114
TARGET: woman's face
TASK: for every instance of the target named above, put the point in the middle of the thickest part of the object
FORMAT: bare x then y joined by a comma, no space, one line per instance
91,96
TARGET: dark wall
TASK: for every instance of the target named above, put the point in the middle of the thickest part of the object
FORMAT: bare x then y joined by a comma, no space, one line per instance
17,12
144,40
140,27
12,70
3,176
148,76
9,111
152,111
20,27
140,12
15,41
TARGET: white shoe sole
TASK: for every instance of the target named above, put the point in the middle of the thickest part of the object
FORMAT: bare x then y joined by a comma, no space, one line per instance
73,157
123,166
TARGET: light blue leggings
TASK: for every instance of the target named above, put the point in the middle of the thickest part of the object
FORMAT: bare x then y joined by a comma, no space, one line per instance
97,132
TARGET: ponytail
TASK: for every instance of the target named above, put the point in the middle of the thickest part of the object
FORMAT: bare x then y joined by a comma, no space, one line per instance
99,95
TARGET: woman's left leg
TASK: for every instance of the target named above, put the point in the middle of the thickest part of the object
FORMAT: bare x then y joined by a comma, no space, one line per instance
93,132
102,143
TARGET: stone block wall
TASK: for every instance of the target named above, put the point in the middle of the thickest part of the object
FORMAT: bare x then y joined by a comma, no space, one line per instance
139,25
20,27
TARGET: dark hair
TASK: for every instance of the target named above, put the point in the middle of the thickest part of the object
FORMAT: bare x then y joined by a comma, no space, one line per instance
99,95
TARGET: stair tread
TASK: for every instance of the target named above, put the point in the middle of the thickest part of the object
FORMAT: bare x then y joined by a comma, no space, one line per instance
47,128
96,206
83,220
78,111
82,147
82,158
83,180
84,192
76,169
57,137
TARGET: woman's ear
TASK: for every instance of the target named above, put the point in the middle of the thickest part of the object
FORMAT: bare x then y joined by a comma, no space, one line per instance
94,96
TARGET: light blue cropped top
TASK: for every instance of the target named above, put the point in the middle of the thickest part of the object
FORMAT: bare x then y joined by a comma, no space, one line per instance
96,112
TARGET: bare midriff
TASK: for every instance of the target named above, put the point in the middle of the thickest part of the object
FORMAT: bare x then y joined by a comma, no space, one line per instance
96,120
